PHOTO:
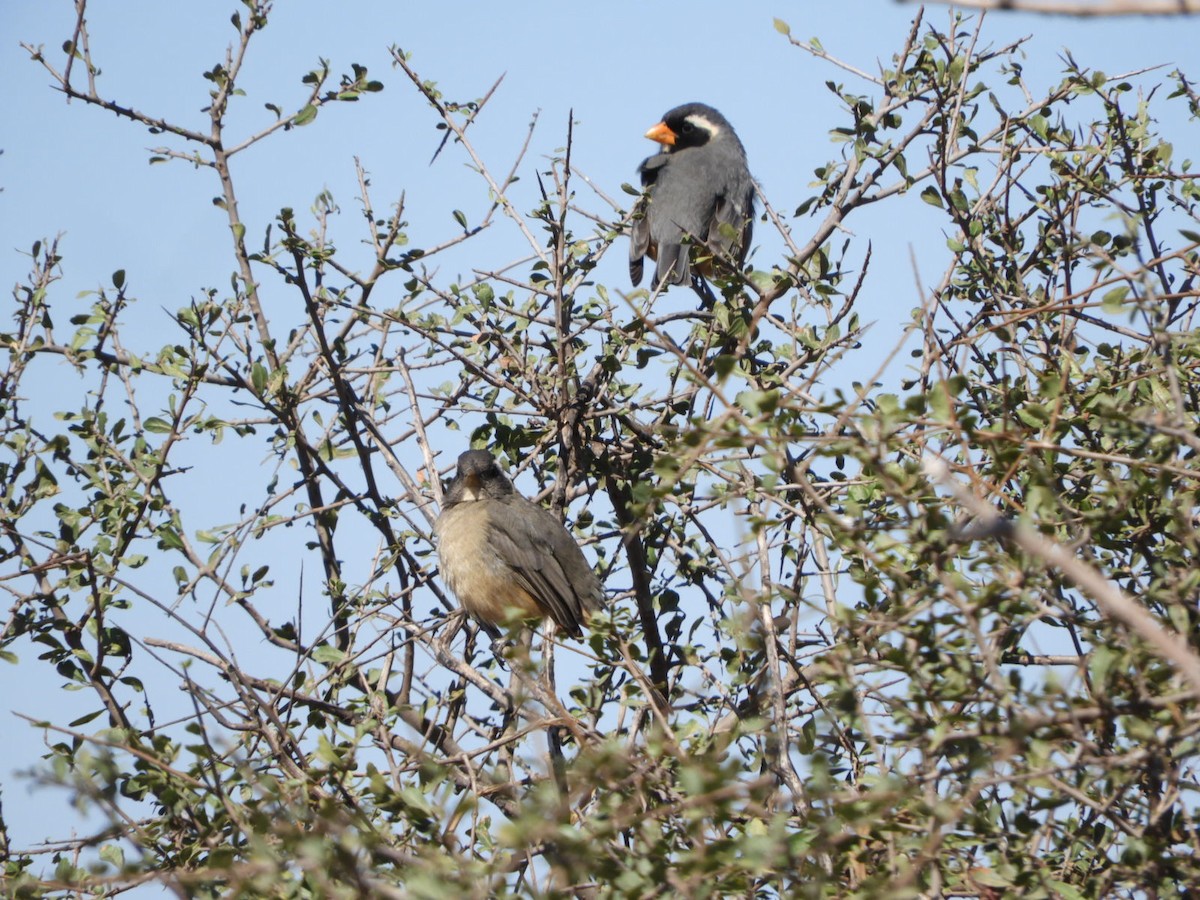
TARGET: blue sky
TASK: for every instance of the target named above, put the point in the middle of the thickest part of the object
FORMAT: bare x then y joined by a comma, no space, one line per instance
618,66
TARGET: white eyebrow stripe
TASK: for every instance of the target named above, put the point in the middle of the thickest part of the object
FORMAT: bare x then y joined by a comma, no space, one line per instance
702,121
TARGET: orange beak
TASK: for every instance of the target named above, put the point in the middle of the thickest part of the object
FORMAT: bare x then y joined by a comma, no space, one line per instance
662,134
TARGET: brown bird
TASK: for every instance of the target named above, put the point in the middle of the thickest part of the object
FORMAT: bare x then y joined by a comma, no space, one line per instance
698,199
506,557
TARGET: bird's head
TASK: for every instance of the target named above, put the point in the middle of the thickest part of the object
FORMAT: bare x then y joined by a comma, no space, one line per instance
478,477
690,125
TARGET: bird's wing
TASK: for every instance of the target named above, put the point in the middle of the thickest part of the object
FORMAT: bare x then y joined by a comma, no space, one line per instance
639,241
732,226
546,562
639,231
651,166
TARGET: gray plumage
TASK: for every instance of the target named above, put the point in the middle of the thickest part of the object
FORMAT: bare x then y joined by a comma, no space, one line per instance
698,198
501,553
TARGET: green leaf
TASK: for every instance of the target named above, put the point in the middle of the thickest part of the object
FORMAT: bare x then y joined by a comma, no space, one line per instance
989,878
758,402
112,853
88,717
328,654
1065,891
1112,301
306,115
168,538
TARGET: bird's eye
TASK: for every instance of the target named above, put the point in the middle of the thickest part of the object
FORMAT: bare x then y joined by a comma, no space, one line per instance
687,128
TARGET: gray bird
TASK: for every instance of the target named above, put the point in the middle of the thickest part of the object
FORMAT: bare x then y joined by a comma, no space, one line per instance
503,555
698,198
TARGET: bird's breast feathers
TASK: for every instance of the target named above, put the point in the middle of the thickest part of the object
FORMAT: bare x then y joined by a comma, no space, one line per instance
474,571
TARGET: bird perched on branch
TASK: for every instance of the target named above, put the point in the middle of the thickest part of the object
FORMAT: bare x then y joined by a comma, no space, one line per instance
506,557
697,205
